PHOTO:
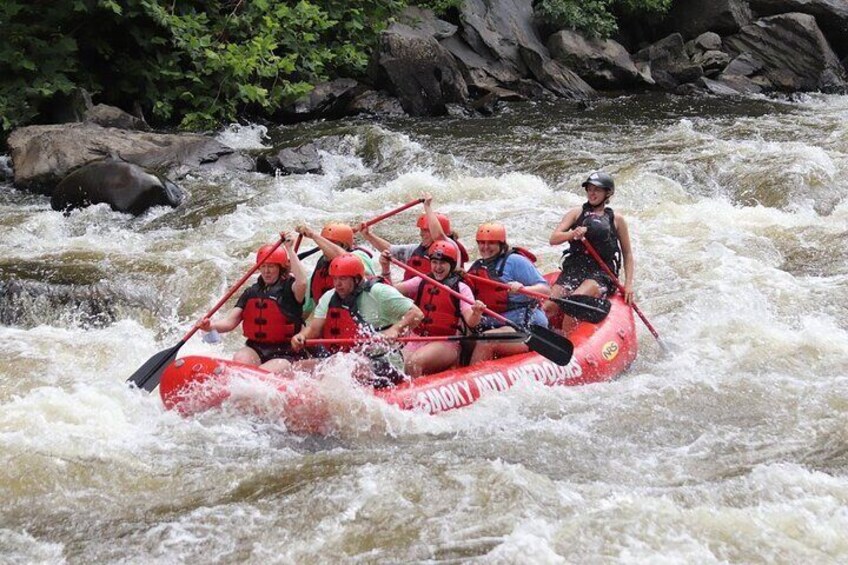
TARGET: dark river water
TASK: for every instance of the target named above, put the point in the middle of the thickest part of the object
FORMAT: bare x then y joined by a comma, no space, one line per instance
732,449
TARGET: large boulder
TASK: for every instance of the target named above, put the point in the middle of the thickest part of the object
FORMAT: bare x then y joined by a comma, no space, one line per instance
112,117
327,100
794,53
125,187
44,155
412,65
504,34
603,63
691,18
831,16
669,63
291,161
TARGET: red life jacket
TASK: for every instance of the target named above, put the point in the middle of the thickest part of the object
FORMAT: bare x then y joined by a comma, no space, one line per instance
418,261
343,319
494,297
271,313
321,280
442,315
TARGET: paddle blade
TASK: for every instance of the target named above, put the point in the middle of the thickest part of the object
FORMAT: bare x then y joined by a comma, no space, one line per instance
586,308
148,375
550,344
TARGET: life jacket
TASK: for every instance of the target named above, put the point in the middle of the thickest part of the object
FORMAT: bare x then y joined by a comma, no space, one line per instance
601,233
442,315
272,314
343,318
419,260
494,297
321,280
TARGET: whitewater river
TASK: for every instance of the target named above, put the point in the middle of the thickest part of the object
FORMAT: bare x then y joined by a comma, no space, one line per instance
732,449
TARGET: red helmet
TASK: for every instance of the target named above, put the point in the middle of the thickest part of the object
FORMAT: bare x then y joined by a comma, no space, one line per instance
347,265
425,225
279,256
444,251
342,234
491,231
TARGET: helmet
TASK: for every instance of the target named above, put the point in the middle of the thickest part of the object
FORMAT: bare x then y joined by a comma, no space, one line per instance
347,265
425,225
278,256
341,234
444,251
603,180
491,231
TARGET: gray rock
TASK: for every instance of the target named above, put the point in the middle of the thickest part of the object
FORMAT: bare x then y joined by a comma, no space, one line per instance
327,100
376,103
124,186
291,161
794,53
831,17
691,18
111,117
44,155
603,64
418,70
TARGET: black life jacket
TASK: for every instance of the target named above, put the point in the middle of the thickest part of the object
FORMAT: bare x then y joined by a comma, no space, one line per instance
601,233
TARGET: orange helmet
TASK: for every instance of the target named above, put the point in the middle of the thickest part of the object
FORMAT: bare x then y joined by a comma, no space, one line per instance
491,231
341,234
279,256
444,251
423,224
347,265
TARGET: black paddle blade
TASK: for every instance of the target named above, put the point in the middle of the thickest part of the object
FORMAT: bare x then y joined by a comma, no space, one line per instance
148,375
550,344
586,308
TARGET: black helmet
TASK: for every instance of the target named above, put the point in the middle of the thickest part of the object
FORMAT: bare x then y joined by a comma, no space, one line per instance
602,179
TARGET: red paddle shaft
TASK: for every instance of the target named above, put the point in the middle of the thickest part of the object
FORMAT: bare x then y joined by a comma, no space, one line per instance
450,291
620,286
391,213
233,289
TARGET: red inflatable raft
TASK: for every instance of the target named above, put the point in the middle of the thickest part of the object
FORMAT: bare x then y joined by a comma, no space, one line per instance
601,352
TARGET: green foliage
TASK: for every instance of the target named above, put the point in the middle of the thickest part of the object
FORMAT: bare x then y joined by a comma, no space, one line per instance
193,62
439,7
594,17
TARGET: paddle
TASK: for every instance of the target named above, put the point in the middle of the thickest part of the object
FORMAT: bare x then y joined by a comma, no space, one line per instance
620,286
587,308
390,213
416,338
540,339
147,376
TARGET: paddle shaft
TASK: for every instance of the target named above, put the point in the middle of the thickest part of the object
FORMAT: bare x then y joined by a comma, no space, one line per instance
524,291
418,338
452,292
620,286
232,290
391,213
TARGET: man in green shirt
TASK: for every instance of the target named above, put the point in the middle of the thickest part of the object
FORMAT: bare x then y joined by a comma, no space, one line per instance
357,309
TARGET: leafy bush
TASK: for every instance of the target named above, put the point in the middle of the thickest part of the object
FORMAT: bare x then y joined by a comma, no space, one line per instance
192,62
594,17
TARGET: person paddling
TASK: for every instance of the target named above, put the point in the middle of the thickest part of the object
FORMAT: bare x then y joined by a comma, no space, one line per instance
514,266
334,240
432,227
360,308
608,234
270,311
443,313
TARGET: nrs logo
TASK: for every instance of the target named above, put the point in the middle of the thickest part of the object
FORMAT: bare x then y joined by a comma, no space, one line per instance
610,350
